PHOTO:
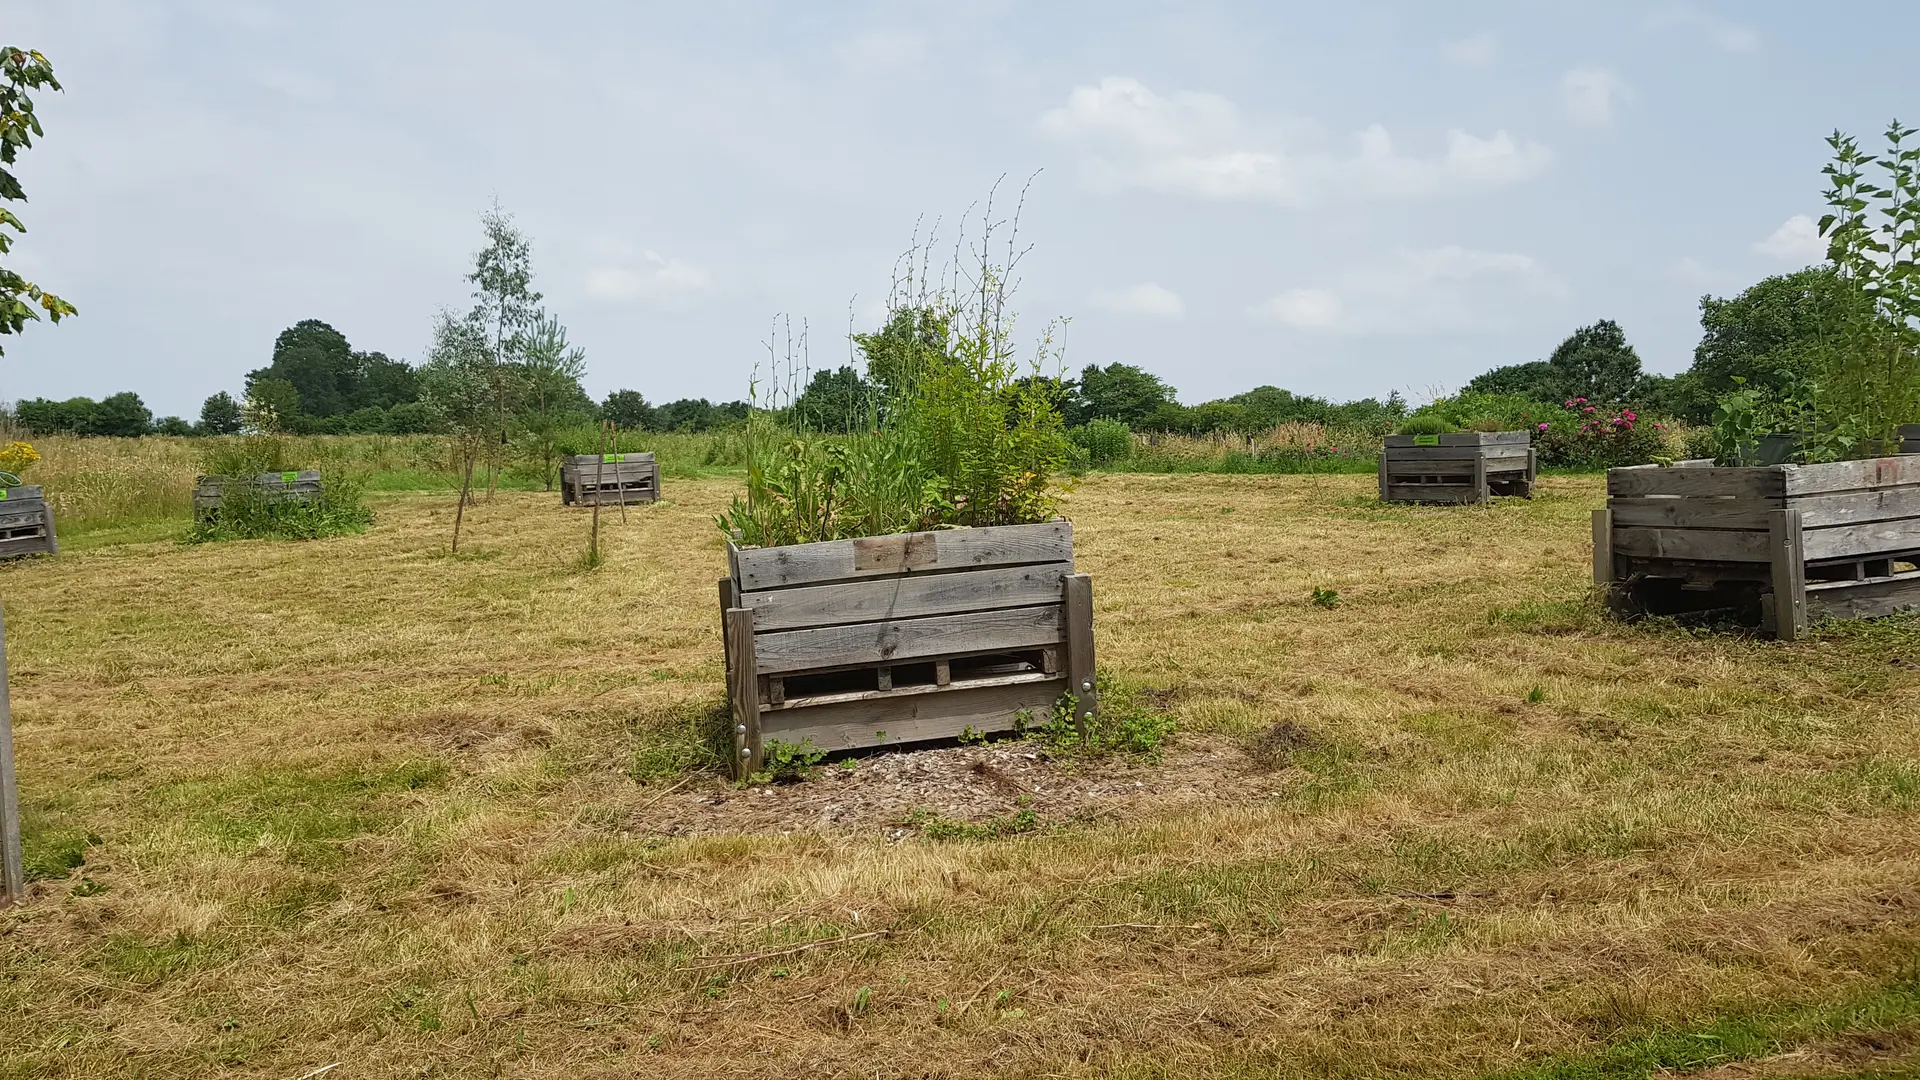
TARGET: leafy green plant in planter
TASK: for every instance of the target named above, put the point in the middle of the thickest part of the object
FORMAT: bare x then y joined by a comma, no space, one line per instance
249,511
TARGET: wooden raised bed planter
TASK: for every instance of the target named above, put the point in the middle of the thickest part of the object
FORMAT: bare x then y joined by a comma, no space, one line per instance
294,485
899,639
1469,467
1794,543
609,479
26,523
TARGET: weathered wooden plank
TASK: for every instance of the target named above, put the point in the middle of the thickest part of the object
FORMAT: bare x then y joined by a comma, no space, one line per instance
906,639
913,718
1851,475
1754,483
1702,513
890,693
1846,508
743,693
1867,599
13,878
954,549
1423,454
1865,538
1082,677
1789,576
1460,438
1728,544
904,597
22,493
640,457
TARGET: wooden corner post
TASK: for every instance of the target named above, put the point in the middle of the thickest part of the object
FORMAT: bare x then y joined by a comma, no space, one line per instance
1789,566
1383,474
1082,681
13,876
1482,493
743,692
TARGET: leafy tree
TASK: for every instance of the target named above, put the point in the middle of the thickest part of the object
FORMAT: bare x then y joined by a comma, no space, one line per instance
549,379
21,70
913,339
1537,379
457,381
1596,363
330,378
505,310
837,401
411,418
172,425
1118,392
270,406
383,382
699,414
220,415
122,414
629,411
1770,335
42,416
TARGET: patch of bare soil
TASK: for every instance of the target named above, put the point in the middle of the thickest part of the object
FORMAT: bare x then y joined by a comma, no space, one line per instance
887,791
1848,1055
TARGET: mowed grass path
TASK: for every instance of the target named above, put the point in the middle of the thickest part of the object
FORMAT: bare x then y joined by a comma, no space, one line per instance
357,801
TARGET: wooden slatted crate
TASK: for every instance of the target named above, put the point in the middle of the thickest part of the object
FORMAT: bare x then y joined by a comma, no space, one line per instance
899,639
1468,467
294,485
1781,545
26,523
609,479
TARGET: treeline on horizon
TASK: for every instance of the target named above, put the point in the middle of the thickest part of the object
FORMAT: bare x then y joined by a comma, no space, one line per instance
316,383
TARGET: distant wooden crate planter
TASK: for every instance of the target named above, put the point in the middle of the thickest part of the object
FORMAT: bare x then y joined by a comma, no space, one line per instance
1470,467
1788,544
26,523
903,639
609,479
299,485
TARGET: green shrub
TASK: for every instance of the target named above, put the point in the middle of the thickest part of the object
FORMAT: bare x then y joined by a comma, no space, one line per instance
1482,412
252,511
1105,441
1426,424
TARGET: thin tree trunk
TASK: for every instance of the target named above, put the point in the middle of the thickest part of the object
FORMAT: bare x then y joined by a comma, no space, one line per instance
460,508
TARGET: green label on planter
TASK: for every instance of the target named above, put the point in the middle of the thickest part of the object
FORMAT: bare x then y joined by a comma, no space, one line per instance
289,477
613,458
1426,440
3,494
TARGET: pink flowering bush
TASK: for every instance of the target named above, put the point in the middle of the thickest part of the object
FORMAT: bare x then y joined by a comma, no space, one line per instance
1583,435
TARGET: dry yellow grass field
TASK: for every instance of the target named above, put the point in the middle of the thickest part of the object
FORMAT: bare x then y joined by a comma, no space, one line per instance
354,802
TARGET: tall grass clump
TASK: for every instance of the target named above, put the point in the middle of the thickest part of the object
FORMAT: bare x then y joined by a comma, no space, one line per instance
250,510
1290,448
961,433
98,482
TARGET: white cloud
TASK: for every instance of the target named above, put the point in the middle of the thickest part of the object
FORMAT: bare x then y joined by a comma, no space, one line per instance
1448,290
663,283
1476,51
1592,94
1199,145
1721,34
1149,300
1797,239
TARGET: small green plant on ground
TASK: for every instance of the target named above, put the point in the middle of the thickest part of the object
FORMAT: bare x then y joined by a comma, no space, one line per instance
1326,598
1124,724
787,761
1426,424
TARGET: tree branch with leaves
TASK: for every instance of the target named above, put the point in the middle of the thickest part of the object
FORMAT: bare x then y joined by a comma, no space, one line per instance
21,71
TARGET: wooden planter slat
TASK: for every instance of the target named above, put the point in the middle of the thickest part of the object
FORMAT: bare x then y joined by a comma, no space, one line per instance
26,523
294,485
905,597
1462,467
895,639
1701,530
878,556
610,479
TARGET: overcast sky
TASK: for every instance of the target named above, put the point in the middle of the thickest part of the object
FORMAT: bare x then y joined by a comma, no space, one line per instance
1341,199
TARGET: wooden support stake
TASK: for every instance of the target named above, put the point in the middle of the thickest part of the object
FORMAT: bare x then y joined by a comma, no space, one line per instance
619,483
942,672
743,689
1481,492
1533,469
1789,574
726,601
883,678
1383,474
1603,549
599,478
1078,589
13,876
